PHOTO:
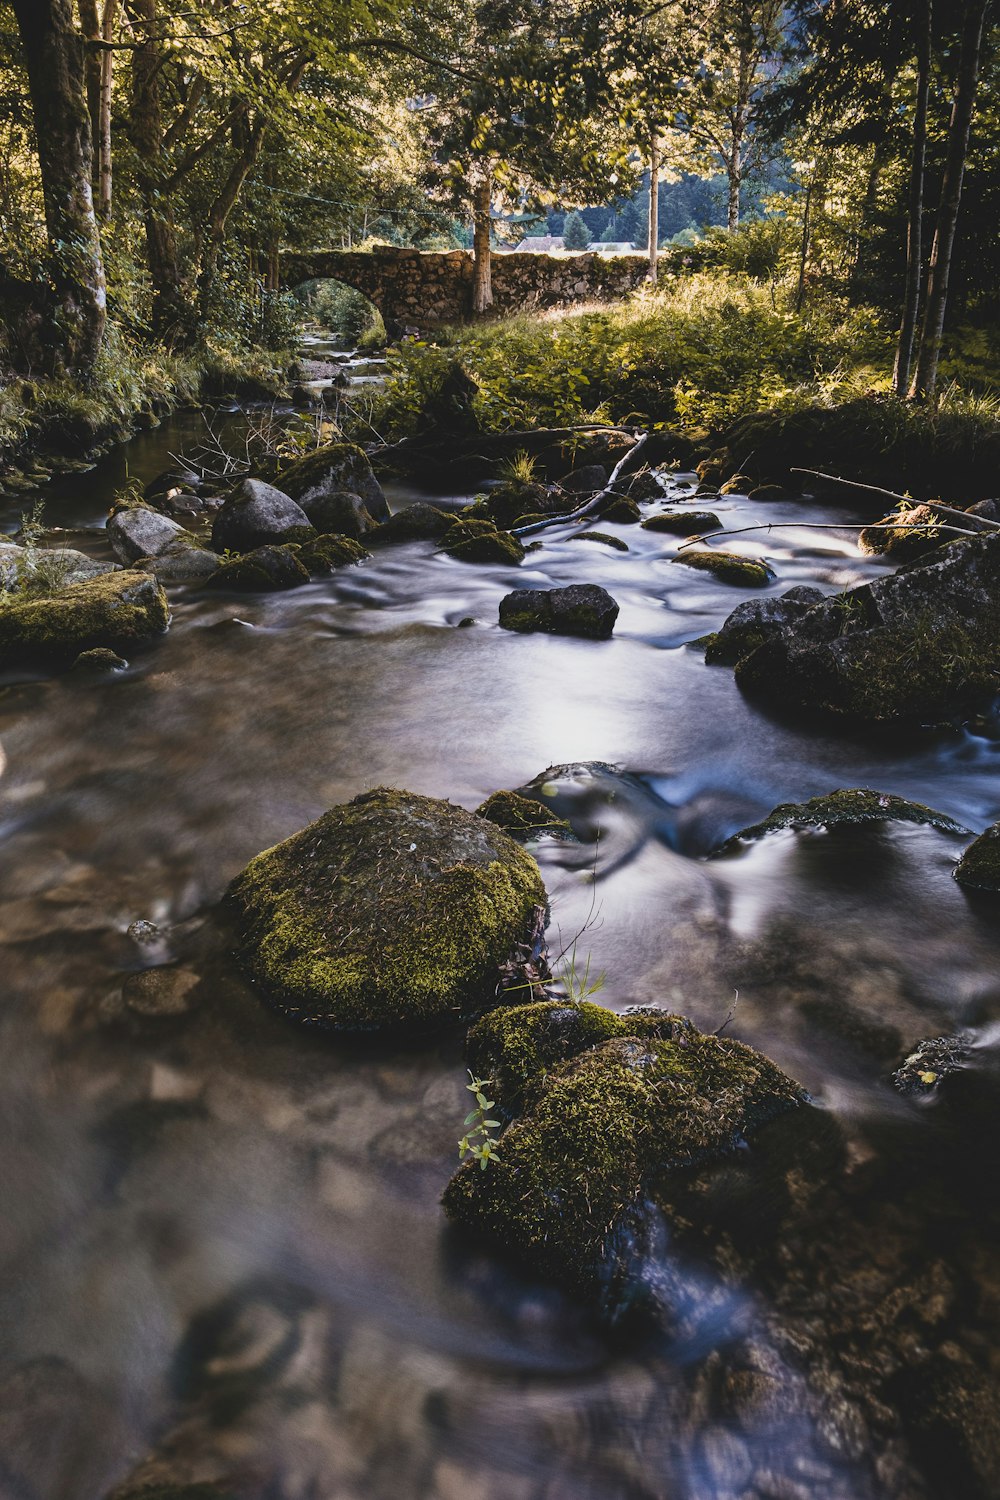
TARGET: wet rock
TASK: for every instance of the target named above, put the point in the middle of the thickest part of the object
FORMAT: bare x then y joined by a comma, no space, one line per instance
979,867
521,817
642,487
917,646
264,570
172,482
852,807
181,561
327,553
481,542
139,531
514,499
99,661
414,523
904,534
987,510
331,470
768,492
41,568
602,1130
952,1411
739,484
921,1073
118,610
58,1433
729,567
588,480
160,992
683,522
340,512
621,511
256,514
757,621
583,609
602,537
391,910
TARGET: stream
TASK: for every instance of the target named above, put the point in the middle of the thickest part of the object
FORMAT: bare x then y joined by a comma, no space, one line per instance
223,1256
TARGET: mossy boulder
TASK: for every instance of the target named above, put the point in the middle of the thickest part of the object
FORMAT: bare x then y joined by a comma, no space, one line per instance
642,487
612,1108
414,523
601,536
393,910
521,817
757,621
918,646
683,522
979,867
332,469
118,610
728,567
265,570
514,498
327,553
98,662
621,511
852,807
481,542
583,609
904,534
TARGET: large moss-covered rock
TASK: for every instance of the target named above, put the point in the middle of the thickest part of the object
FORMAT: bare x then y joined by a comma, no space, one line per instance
612,1108
118,610
515,498
728,567
327,553
414,523
334,468
265,570
848,808
917,646
583,609
979,867
757,621
683,522
393,910
481,542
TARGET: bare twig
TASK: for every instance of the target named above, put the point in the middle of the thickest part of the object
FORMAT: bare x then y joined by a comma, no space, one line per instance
876,489
589,505
821,526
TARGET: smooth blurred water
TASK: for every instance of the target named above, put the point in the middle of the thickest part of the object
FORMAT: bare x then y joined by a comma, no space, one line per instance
221,1243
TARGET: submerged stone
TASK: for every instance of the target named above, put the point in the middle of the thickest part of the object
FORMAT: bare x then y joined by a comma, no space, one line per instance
729,567
393,910
521,817
612,1109
257,514
979,867
916,646
117,610
481,542
683,522
264,570
851,807
583,609
336,467
757,621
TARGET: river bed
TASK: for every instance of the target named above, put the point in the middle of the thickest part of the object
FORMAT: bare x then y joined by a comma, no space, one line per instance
223,1253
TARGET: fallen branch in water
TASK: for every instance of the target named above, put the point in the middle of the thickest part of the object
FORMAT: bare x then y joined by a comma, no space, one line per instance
589,505
876,489
821,526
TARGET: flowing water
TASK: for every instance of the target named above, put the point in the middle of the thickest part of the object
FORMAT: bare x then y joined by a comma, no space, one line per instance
223,1255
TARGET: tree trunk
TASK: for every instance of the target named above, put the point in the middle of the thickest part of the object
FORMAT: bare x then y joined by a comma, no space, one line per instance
54,55
654,207
959,129
170,309
804,247
109,24
482,281
222,207
915,223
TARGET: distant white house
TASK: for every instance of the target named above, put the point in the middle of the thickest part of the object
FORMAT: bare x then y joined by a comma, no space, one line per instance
552,244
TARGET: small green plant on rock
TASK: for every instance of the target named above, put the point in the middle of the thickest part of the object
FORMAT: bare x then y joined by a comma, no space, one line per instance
519,468
479,1142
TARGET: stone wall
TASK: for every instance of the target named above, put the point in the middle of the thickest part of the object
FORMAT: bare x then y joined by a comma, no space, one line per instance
414,288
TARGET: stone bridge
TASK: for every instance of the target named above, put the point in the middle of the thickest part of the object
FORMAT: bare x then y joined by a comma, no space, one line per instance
419,287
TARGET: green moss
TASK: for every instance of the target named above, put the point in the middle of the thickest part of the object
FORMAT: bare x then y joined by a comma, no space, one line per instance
413,523
115,610
729,567
904,534
603,537
264,569
331,551
726,650
521,817
99,659
512,499
622,511
393,909
853,806
602,1129
683,522
481,542
979,867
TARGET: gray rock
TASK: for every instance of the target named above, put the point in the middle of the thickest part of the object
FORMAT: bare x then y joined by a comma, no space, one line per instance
335,468
586,481
182,562
140,531
340,513
757,621
59,565
255,514
583,609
